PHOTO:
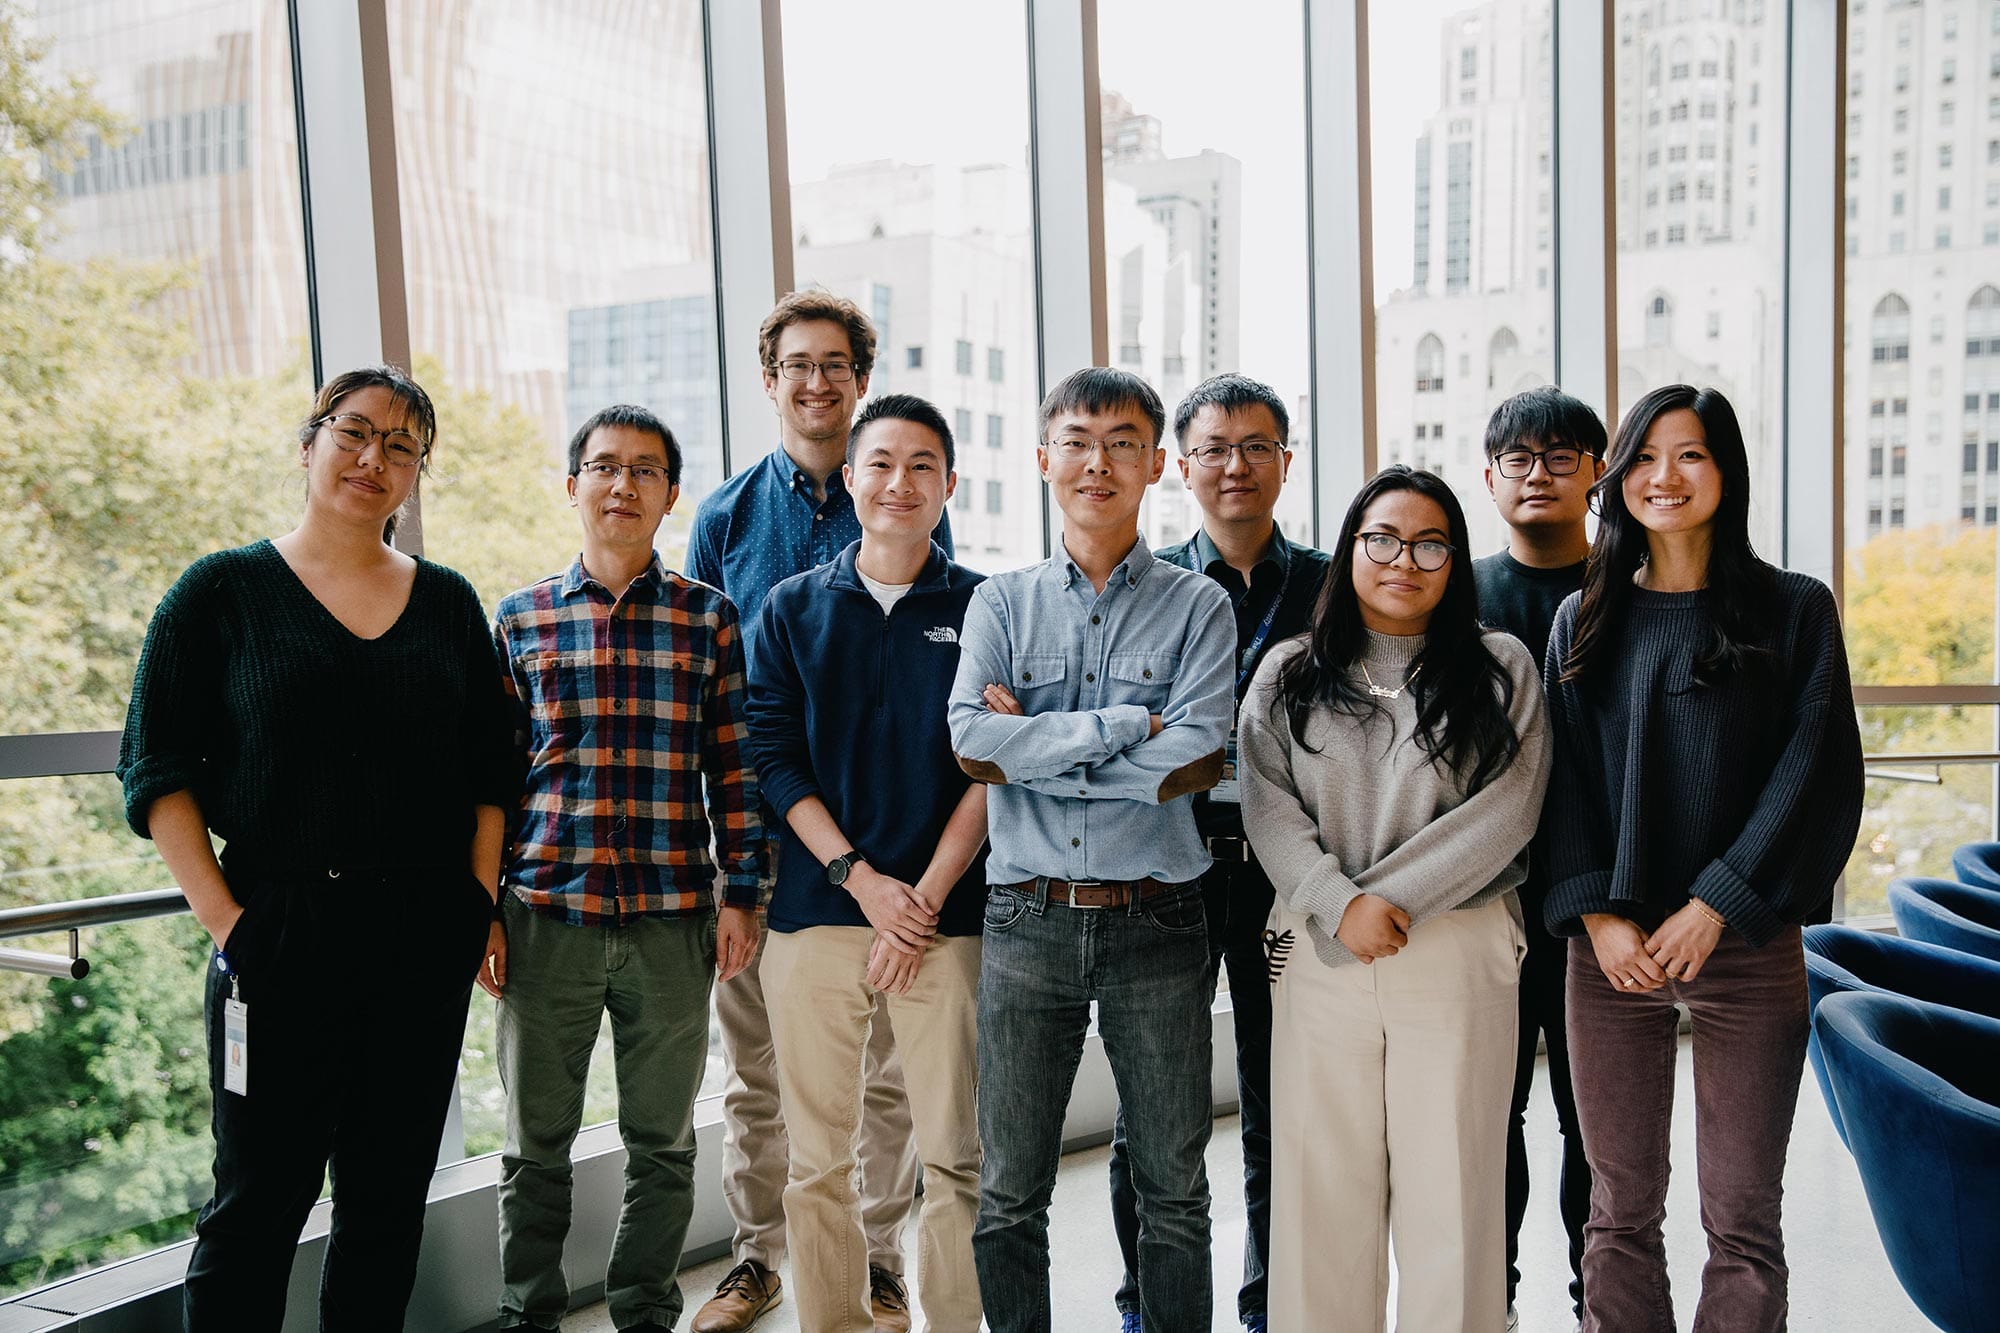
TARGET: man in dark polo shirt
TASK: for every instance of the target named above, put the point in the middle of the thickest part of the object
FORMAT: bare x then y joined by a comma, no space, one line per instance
1233,434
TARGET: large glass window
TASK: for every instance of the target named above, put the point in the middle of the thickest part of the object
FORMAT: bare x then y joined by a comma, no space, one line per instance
153,366
1205,219
1699,112
552,164
1921,419
910,196
1464,229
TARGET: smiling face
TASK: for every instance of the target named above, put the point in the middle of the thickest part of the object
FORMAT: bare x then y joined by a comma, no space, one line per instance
362,486
1674,485
621,512
1398,598
1099,485
1236,491
816,409
898,480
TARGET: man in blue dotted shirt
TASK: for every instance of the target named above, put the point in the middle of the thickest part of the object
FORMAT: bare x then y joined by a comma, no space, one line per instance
788,513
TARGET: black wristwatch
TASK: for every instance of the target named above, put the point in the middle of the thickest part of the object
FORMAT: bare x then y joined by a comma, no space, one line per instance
838,869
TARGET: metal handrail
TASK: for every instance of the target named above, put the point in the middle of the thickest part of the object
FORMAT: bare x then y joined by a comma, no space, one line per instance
50,918
1943,757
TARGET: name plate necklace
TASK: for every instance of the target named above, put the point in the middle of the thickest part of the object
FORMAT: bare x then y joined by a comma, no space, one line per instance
1383,691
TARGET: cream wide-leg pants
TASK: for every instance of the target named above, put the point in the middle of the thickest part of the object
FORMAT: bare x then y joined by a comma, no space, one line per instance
1389,1089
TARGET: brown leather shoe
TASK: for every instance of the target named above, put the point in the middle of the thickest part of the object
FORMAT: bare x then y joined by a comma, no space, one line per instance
740,1300
888,1302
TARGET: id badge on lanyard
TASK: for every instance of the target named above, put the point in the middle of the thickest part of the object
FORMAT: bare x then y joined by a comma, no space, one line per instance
235,1034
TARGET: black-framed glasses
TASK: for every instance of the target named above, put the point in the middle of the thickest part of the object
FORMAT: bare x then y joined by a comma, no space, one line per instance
802,368
1429,554
1561,461
352,433
1257,453
605,471
1123,449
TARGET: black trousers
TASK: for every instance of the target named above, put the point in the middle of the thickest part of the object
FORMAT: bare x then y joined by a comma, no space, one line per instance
1237,897
1542,974
357,988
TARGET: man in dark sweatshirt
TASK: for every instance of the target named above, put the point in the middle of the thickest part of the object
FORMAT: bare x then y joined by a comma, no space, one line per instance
1544,451
881,881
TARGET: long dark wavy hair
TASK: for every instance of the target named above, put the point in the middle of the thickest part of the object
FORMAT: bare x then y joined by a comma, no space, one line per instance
1462,691
1742,594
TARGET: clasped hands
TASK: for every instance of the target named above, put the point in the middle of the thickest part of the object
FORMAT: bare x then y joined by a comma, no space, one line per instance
905,922
1634,961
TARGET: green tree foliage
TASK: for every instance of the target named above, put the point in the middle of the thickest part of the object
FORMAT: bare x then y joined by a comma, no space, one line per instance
1920,611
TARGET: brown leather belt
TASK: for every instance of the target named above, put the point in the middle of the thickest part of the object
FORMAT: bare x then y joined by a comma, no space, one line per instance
1094,892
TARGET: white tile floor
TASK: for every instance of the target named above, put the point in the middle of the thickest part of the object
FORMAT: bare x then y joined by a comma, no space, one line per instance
1840,1278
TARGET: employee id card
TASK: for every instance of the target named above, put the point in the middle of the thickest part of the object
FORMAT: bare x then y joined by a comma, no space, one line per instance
1227,790
235,1045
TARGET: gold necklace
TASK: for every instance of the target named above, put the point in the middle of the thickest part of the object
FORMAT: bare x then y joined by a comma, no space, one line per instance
1382,692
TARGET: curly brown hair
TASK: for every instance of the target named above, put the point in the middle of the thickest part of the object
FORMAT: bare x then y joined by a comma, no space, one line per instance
817,303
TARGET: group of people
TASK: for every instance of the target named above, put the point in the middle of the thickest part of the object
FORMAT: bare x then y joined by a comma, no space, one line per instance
908,827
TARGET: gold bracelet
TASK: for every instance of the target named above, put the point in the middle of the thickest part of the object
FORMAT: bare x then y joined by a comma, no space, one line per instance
1701,907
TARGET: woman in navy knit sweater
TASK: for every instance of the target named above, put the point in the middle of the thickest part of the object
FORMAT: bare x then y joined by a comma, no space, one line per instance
1706,792
330,709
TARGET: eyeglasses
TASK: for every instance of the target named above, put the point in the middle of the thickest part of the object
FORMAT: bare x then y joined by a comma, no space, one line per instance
1122,450
1428,555
802,368
1515,464
1256,453
605,471
352,433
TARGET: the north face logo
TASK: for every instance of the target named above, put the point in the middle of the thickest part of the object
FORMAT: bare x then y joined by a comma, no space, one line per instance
941,634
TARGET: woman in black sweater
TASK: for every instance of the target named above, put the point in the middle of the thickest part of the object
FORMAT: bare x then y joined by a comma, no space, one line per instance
1706,792
330,709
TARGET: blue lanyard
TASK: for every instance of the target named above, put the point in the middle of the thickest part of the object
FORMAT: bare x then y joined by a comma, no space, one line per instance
1246,662
1246,665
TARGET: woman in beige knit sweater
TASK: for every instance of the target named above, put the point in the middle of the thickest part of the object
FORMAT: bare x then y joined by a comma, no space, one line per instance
1393,763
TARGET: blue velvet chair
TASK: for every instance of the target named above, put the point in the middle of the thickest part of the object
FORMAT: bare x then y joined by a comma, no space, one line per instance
1978,864
1943,911
1841,958
1917,1085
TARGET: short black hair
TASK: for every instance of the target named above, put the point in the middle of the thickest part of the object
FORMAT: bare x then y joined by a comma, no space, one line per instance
1231,393
638,418
1544,416
904,407
1103,389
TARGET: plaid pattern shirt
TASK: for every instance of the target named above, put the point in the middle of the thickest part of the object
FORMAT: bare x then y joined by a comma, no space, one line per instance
625,706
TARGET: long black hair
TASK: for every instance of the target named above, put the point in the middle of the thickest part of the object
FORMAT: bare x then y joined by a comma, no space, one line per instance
1462,691
1741,590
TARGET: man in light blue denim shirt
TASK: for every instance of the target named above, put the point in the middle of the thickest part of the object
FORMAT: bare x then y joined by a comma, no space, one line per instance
1094,694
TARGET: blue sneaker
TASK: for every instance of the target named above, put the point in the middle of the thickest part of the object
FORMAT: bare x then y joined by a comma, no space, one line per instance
1128,1322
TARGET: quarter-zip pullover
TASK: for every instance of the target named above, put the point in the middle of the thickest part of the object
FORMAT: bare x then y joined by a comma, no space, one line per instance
847,703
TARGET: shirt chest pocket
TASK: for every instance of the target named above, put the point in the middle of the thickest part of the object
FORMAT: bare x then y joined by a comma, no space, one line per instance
1141,678
1038,679
571,692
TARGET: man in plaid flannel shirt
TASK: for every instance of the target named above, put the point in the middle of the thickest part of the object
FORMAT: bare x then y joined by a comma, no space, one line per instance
628,686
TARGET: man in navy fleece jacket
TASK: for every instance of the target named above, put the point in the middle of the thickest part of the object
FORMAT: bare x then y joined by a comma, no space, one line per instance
881,875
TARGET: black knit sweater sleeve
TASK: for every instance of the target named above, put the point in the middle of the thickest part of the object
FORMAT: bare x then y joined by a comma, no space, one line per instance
176,712
1780,869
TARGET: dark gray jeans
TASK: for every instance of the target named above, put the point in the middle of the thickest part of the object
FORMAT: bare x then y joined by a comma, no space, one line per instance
653,977
1749,1014
1147,967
